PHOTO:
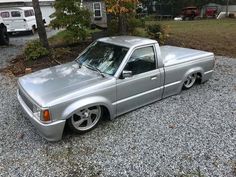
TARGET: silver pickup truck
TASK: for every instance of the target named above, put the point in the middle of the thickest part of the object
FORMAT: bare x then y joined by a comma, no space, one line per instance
112,76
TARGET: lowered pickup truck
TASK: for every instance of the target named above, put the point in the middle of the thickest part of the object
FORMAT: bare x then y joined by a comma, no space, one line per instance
112,76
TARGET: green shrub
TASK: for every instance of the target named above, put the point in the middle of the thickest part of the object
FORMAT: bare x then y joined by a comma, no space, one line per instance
231,15
69,15
113,28
158,32
140,32
134,23
35,50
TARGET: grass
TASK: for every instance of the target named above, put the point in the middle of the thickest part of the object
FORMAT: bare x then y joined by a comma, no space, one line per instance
218,36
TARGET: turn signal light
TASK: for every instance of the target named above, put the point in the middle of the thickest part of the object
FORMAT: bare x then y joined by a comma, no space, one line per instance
46,115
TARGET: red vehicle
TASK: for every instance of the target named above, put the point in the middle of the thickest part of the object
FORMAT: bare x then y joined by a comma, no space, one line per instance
189,13
211,12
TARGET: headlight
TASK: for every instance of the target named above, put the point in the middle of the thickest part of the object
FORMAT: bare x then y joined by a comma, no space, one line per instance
36,111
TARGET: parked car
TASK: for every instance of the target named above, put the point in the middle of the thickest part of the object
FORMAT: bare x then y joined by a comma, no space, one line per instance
114,75
4,38
190,13
19,19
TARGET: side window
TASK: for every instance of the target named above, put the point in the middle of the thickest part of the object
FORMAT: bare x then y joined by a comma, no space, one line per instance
142,60
5,14
32,12
27,13
15,14
97,9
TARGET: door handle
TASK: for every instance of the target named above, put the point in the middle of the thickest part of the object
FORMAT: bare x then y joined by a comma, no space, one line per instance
153,78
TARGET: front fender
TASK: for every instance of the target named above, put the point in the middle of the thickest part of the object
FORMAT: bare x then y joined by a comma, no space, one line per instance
91,101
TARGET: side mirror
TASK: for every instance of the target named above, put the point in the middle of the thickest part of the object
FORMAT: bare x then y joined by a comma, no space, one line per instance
126,74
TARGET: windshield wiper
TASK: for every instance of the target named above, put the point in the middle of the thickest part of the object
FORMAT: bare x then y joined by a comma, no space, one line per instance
78,61
94,68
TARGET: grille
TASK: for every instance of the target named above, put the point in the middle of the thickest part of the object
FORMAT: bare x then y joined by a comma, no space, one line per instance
26,100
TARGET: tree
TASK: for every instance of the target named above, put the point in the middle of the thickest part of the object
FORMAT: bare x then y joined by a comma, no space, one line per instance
40,24
227,8
71,15
121,9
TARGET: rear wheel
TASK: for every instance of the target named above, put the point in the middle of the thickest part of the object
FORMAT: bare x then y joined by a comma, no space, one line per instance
4,38
190,81
85,119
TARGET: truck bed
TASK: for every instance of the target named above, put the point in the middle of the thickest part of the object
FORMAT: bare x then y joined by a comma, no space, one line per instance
175,55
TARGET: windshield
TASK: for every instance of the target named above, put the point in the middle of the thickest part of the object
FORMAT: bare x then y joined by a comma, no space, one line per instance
104,57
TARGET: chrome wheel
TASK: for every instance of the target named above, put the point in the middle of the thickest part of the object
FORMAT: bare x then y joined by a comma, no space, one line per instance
189,82
86,119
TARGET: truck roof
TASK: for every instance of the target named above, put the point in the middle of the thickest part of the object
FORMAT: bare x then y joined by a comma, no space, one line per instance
16,8
127,41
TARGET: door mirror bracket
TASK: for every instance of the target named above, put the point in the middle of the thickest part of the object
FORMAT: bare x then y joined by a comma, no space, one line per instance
126,74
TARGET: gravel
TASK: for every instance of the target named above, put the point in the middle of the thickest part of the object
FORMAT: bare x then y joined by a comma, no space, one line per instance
192,133
17,43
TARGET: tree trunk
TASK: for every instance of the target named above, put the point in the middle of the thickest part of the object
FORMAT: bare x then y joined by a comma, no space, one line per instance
40,24
122,24
227,9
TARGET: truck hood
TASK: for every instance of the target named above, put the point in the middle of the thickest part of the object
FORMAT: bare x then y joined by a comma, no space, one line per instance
47,85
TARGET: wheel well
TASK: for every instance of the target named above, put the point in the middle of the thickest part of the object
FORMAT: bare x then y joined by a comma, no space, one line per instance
199,77
105,112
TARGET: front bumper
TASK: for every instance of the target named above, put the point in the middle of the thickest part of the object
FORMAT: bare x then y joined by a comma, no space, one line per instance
50,131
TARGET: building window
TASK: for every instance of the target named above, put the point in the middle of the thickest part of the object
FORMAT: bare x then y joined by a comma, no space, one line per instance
97,8
5,14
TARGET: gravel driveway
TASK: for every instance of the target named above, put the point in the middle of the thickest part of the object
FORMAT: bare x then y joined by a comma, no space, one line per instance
193,134
17,43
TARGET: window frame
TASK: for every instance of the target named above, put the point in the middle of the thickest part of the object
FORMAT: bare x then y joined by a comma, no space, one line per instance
131,53
100,9
5,12
30,11
16,16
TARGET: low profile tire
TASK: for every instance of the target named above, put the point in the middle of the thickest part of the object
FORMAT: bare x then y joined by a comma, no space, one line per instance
190,81
4,38
85,119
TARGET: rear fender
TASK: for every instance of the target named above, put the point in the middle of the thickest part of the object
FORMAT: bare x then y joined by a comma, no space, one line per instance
91,101
191,71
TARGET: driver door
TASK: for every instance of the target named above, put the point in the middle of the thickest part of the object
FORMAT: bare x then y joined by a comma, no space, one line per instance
145,84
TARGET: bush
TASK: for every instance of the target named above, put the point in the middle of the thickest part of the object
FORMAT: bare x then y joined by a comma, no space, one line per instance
231,15
35,50
113,28
71,16
134,23
140,32
158,32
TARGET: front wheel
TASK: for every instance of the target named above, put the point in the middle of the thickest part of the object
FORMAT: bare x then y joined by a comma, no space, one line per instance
4,38
85,119
190,80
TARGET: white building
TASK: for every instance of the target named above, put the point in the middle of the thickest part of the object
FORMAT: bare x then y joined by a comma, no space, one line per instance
46,6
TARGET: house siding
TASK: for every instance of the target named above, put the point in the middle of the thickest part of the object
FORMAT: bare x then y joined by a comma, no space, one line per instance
102,22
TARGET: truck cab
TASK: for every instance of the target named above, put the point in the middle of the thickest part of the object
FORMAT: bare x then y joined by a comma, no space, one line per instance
4,38
19,19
